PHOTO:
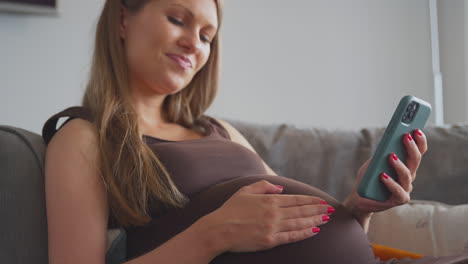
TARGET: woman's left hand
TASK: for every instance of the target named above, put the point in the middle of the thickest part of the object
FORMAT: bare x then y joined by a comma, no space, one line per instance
416,146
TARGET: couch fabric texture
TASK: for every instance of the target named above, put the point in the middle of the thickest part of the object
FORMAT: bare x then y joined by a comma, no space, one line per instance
326,159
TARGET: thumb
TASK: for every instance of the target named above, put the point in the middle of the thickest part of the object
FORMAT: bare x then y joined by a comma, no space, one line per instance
363,168
262,187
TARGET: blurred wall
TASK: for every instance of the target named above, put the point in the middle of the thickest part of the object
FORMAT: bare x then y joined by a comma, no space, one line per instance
321,63
44,62
453,28
334,64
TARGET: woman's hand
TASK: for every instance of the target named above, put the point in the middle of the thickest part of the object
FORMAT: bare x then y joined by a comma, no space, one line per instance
416,146
258,217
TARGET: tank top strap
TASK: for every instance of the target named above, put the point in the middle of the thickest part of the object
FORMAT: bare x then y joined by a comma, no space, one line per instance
217,128
50,126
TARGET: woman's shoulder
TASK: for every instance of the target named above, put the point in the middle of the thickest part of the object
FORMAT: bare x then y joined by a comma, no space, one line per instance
218,126
78,118
77,133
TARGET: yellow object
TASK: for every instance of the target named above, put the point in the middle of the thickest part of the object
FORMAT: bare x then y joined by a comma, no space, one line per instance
386,253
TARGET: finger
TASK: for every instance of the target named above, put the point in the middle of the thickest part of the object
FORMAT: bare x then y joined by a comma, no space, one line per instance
305,211
414,156
400,196
262,187
404,175
294,236
298,200
302,223
421,141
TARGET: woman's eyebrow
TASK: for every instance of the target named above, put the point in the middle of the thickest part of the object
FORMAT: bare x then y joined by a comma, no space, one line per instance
191,14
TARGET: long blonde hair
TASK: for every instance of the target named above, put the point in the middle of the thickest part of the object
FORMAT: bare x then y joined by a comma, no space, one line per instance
131,172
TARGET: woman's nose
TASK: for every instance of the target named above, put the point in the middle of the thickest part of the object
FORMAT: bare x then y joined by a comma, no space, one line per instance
190,42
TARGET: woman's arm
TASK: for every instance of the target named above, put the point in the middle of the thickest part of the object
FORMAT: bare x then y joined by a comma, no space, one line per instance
77,209
237,137
75,196
363,219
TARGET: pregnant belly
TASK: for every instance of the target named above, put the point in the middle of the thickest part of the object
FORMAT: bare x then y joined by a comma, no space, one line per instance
341,240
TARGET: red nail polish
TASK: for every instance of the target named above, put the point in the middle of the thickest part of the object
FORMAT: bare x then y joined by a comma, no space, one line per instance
394,156
279,186
331,209
325,218
323,202
418,131
385,175
409,137
315,230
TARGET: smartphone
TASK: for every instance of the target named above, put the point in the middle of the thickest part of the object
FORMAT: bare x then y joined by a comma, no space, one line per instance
411,113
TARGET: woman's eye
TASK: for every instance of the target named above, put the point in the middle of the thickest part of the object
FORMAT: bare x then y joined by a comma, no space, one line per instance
204,38
175,21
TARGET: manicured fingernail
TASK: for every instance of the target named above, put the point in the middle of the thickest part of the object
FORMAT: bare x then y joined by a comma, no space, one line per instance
331,209
418,131
325,218
279,186
385,175
315,230
409,137
323,202
394,156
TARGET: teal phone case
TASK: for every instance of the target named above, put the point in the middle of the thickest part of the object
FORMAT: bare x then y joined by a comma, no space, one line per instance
371,186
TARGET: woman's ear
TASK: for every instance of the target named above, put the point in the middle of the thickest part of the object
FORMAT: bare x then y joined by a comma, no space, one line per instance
123,21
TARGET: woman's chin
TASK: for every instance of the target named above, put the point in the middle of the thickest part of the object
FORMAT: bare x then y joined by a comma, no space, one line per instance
174,87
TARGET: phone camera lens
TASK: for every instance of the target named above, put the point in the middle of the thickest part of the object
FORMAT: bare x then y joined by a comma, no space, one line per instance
405,116
409,107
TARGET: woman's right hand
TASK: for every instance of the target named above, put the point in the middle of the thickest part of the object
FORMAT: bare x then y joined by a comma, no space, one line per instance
257,217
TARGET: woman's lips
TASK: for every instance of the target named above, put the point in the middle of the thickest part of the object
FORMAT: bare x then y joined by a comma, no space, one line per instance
182,61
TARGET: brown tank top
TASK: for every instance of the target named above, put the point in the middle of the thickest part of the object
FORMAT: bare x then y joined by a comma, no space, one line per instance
209,171
193,165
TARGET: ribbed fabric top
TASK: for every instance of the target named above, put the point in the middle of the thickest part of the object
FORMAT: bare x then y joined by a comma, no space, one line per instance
193,165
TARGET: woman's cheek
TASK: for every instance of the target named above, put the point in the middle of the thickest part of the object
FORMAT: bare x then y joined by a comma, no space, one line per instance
203,58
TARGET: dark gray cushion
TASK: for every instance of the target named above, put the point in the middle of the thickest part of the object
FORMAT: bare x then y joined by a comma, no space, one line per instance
23,234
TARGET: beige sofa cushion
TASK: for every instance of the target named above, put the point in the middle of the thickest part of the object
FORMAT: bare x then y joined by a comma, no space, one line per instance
424,227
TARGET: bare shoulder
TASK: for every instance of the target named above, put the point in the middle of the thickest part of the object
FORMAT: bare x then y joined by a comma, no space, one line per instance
75,141
224,123
237,137
75,131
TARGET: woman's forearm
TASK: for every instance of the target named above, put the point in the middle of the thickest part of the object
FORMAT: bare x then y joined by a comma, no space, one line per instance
364,222
197,245
363,219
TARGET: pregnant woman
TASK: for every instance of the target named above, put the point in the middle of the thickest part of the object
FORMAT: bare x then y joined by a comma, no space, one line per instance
140,154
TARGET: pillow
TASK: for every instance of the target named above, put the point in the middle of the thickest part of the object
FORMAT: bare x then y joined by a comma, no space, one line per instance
423,227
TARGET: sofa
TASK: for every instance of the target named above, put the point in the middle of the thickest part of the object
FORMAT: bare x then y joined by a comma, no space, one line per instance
434,223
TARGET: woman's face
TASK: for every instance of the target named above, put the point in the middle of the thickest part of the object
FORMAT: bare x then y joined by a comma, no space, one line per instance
167,42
